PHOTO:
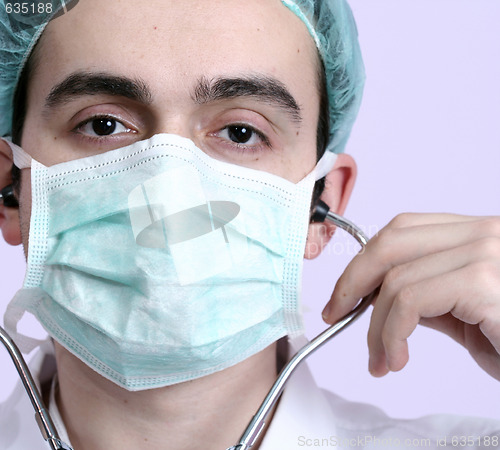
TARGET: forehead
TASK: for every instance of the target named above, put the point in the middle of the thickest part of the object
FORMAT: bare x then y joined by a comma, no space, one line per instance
168,41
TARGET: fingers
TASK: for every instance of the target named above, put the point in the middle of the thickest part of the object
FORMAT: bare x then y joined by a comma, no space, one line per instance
462,293
456,292
396,246
408,276
426,298
439,269
406,220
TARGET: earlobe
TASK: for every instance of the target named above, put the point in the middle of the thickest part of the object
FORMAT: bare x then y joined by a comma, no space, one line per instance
9,217
339,184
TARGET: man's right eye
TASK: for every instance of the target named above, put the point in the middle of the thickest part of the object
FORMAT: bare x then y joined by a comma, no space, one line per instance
100,126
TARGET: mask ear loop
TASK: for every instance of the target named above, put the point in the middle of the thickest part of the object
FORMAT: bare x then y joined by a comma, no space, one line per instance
251,434
21,159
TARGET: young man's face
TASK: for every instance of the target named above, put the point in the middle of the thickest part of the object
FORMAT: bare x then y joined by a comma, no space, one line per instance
174,60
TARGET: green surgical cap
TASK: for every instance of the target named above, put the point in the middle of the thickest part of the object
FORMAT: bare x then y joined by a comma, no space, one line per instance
21,24
330,23
332,26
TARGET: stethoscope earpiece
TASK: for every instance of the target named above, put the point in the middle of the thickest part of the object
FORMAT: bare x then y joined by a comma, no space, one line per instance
320,211
8,197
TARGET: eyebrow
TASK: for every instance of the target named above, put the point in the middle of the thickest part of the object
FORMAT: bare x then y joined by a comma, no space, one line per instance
260,88
81,84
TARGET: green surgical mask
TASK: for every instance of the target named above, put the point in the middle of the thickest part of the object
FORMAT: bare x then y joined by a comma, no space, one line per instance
156,264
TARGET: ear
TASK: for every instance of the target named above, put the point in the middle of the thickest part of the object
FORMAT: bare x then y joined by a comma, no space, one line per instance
9,217
338,187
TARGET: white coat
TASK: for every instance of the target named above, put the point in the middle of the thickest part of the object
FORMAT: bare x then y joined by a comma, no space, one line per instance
307,417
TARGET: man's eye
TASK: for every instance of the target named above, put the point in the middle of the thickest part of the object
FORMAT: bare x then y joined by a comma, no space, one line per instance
102,126
242,135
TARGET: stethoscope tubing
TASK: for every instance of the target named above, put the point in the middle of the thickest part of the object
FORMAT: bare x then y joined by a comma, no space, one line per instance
258,422
42,415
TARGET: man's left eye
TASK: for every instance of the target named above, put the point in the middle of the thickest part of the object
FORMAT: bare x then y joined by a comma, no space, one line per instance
242,135
102,126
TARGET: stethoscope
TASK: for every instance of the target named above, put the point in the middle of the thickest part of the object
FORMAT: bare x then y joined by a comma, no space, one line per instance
257,424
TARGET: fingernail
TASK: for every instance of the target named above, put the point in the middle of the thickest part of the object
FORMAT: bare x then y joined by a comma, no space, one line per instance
370,365
326,313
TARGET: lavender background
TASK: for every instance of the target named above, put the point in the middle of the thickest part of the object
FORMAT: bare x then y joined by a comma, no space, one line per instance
427,140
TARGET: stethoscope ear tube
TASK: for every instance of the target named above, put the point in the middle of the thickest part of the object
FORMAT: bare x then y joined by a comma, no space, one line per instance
251,434
42,415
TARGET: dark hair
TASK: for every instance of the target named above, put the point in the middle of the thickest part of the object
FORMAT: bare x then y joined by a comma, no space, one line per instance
21,105
21,101
323,129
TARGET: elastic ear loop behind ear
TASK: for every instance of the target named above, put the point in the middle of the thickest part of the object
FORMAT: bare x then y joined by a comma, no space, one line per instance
21,302
325,164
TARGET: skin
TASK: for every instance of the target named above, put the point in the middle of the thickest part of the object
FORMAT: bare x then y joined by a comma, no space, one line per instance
446,275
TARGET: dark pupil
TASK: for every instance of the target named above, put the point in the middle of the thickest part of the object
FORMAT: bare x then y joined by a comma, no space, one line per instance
241,135
103,127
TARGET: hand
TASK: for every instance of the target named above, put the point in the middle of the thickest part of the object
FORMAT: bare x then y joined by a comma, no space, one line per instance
439,270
